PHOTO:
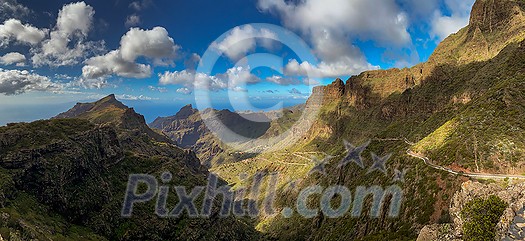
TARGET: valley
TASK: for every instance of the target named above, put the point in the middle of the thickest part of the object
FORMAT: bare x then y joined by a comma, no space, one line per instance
431,152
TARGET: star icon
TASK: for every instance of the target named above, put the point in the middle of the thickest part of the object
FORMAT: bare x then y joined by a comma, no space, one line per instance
379,163
353,154
399,176
320,165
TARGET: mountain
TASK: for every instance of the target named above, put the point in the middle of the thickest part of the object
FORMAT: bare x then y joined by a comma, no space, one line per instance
110,111
461,112
493,26
188,128
66,178
462,109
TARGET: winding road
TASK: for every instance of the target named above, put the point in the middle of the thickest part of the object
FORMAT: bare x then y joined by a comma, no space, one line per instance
473,175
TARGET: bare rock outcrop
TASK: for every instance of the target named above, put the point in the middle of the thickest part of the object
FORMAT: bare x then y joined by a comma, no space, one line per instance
510,227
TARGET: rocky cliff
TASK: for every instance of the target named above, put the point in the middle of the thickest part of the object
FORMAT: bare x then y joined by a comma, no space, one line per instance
493,26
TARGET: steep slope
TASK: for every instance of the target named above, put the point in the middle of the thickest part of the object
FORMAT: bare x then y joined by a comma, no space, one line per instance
463,109
66,178
493,26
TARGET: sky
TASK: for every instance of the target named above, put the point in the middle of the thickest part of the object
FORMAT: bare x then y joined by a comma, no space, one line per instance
159,55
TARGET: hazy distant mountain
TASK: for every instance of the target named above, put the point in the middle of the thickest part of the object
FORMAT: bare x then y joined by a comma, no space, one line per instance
188,129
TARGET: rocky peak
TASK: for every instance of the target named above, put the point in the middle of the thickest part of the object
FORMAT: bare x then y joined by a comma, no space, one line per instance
108,111
108,101
80,109
186,112
493,15
331,92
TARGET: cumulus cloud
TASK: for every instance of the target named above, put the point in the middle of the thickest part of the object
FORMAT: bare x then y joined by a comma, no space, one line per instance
14,82
443,25
74,22
234,79
387,25
11,8
13,58
114,63
13,29
192,62
244,39
154,45
132,20
331,26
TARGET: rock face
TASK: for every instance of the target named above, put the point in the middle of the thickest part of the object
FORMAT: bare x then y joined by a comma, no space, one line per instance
510,227
494,24
490,15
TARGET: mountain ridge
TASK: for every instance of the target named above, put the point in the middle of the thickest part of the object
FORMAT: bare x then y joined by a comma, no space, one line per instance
493,25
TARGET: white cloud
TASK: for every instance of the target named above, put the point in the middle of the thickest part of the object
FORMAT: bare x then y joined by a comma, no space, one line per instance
192,62
388,25
11,8
74,22
242,40
192,80
132,20
133,97
234,79
113,63
94,83
63,77
153,44
14,82
185,91
74,18
239,76
443,25
13,29
13,58
159,89
345,67
140,5
331,26
280,80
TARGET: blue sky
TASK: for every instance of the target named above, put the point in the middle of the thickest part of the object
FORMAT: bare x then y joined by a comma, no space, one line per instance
56,53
